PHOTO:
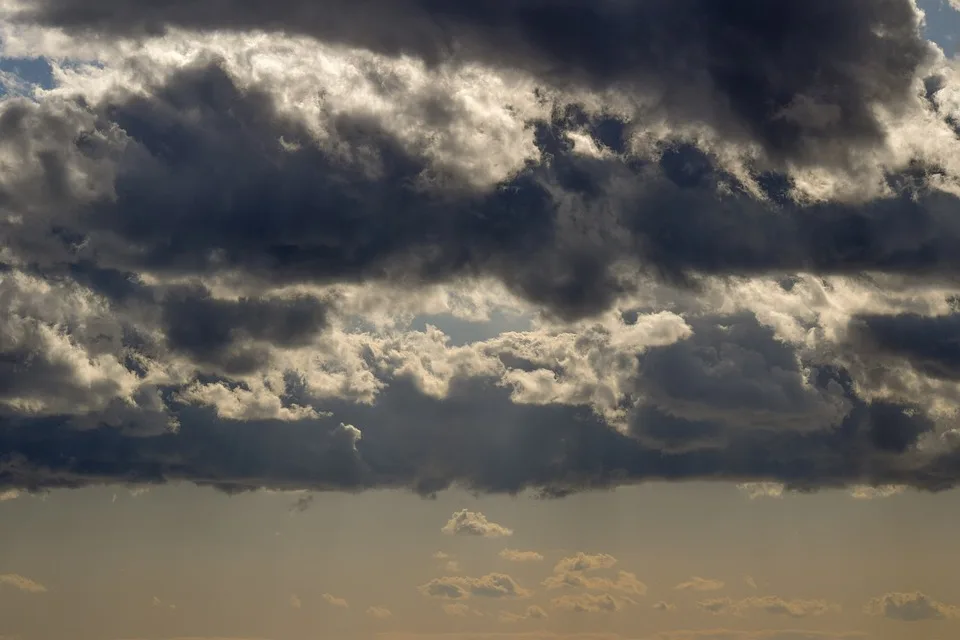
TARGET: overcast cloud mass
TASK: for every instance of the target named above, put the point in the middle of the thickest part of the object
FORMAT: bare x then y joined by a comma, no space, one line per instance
521,245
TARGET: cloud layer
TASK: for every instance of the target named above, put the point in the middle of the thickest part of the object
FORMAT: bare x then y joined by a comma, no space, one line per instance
457,246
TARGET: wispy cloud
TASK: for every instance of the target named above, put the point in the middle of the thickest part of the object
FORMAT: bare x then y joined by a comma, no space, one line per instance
532,612
700,584
769,604
590,603
334,601
515,555
23,584
460,610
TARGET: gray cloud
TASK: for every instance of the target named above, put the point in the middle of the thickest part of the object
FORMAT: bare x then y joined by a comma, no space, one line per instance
287,215
494,585
134,216
768,604
910,607
927,343
802,79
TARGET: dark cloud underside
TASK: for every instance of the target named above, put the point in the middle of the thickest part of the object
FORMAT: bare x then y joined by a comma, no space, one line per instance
800,77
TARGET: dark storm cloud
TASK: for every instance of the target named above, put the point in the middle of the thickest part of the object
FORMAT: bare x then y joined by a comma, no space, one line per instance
475,438
201,154
734,370
230,333
800,77
199,177
930,344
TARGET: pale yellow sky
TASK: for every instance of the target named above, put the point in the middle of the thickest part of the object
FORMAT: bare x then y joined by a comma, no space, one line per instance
179,561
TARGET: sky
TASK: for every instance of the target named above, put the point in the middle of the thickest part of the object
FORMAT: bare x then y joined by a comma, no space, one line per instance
516,320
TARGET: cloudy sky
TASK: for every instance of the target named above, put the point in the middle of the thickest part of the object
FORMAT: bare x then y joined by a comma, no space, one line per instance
476,320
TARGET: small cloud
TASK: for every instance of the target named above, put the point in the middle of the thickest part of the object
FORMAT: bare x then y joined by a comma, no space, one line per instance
9,494
664,606
295,602
494,585
750,582
157,602
865,492
379,612
473,523
769,604
440,555
23,584
515,555
585,562
532,612
700,584
452,566
910,607
756,490
136,492
349,433
589,603
460,610
334,601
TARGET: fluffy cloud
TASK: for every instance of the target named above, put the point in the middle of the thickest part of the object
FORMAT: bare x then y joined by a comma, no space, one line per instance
493,585
700,584
515,555
768,604
380,613
572,572
23,584
471,523
910,607
724,257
